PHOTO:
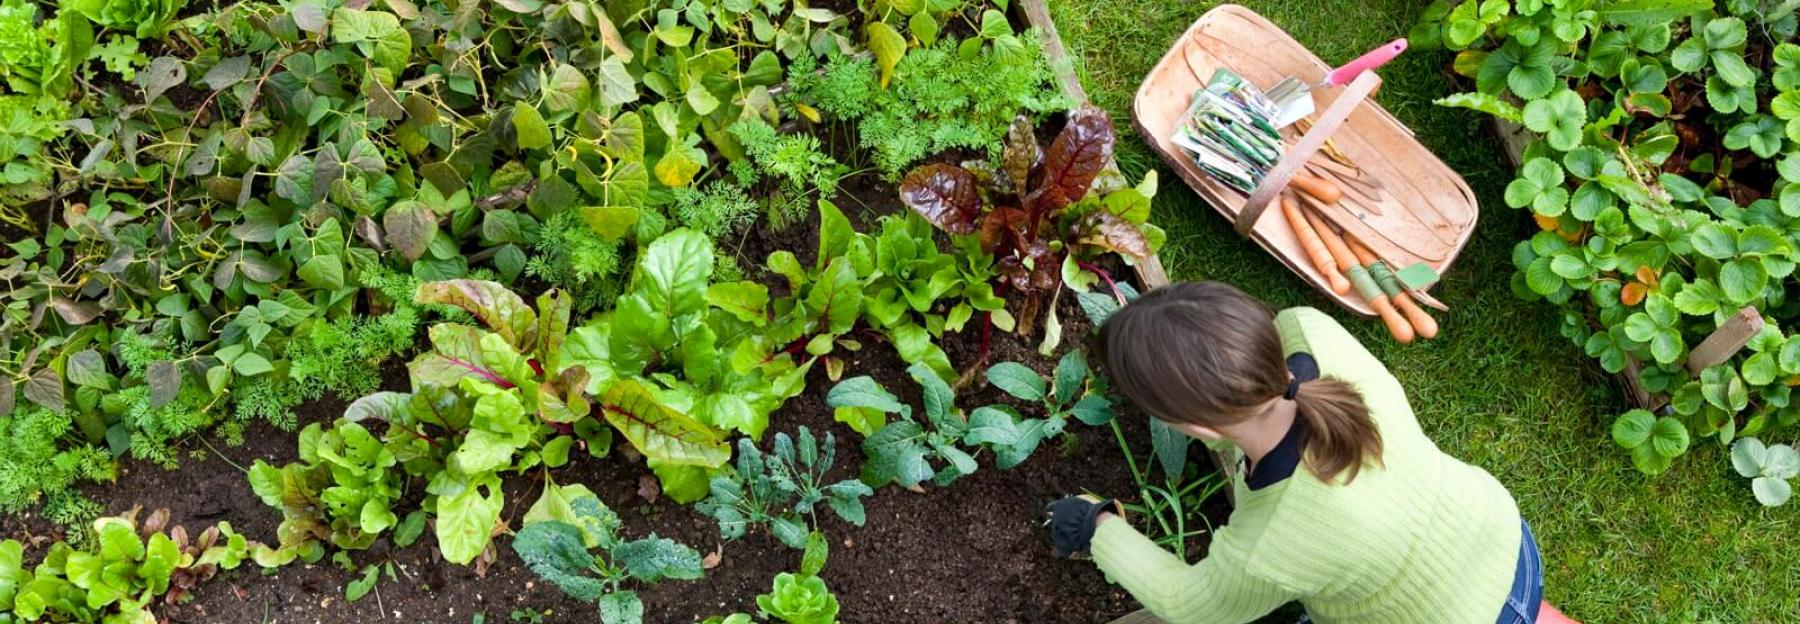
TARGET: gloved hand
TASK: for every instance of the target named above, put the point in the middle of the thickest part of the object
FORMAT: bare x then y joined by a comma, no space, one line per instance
1071,522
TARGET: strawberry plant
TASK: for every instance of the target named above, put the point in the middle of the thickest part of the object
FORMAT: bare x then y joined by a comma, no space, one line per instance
1664,195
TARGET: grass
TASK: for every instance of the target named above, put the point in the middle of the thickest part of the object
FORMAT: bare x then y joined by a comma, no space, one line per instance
1501,388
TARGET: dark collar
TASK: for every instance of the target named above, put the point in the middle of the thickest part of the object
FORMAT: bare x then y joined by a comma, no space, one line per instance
1282,460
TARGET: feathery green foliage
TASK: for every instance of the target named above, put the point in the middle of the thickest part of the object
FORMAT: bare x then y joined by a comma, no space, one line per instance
940,99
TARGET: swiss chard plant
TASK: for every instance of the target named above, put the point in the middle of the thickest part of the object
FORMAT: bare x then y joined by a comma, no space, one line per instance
573,540
484,400
784,490
1039,209
1662,173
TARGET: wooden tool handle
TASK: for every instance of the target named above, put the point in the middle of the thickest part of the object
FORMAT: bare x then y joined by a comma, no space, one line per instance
1333,243
1324,124
1396,324
1314,245
1317,187
1422,323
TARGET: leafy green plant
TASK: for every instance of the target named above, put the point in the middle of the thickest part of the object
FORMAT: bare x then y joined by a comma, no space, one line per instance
1663,190
799,599
937,98
1038,212
1014,437
146,18
783,490
1769,467
128,567
559,539
917,292
906,453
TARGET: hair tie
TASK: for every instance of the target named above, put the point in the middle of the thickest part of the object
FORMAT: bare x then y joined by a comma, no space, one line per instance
1293,389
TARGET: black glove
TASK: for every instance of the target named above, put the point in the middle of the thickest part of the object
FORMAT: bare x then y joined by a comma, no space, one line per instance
1072,520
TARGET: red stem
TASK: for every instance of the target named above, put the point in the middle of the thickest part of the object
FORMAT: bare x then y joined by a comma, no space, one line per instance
1117,294
416,433
486,374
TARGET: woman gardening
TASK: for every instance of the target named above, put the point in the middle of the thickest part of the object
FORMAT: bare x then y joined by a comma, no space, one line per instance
1345,505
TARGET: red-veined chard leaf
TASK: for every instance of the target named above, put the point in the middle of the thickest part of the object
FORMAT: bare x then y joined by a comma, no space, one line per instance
945,195
1077,155
1108,231
499,308
658,431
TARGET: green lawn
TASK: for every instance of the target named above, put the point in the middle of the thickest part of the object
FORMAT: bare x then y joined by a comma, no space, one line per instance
1501,388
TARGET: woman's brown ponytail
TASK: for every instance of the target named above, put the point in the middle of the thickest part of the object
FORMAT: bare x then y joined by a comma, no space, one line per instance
1341,435
1208,354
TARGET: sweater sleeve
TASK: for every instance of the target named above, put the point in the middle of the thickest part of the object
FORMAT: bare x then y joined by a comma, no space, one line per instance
1218,590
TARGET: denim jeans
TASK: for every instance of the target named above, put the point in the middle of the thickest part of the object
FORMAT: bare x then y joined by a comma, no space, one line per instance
1528,583
1527,593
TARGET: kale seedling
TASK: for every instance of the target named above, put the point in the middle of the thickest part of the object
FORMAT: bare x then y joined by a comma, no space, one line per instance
559,539
782,489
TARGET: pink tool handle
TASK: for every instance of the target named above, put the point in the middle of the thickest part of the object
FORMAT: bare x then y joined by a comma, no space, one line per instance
1375,58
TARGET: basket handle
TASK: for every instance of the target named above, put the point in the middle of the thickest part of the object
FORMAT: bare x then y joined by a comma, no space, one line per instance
1291,163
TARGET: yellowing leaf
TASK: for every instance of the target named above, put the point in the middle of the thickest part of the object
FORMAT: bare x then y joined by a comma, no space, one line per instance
888,46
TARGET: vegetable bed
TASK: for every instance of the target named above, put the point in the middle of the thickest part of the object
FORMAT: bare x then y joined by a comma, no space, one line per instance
689,296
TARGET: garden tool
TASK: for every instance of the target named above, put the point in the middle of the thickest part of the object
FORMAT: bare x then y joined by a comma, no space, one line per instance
1422,323
1293,95
1314,245
1363,281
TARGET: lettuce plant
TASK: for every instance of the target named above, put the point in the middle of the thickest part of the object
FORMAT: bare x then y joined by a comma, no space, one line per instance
126,568
559,542
146,18
798,599
783,489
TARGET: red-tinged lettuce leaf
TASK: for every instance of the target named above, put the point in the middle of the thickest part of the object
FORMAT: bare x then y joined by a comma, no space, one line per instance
1020,156
1108,231
503,311
945,195
1038,267
660,432
1078,154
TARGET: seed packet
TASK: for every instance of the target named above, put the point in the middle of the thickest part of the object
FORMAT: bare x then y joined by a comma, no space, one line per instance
1228,133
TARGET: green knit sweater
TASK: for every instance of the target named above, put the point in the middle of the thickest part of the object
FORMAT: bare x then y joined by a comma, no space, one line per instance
1421,537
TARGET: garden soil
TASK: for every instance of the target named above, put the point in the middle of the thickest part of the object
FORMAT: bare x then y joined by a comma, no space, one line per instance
973,551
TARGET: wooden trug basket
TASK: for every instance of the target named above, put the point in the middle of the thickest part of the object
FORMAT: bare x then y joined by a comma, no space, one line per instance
1423,212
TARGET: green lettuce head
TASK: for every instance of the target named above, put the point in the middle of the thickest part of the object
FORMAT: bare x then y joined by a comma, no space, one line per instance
146,18
800,599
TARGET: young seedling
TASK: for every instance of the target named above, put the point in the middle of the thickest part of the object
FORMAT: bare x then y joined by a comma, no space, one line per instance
782,490
559,539
1014,437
